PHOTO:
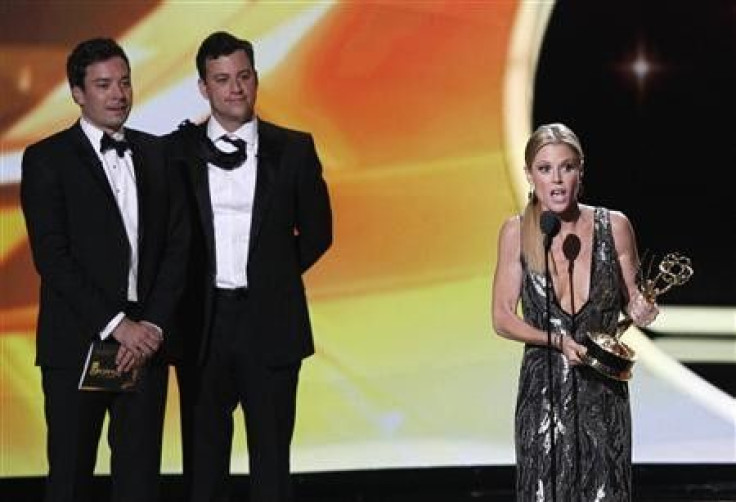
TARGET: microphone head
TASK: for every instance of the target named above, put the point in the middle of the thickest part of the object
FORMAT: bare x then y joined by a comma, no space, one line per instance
571,247
549,223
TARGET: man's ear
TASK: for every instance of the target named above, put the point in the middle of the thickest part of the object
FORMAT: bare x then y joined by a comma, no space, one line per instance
202,89
78,95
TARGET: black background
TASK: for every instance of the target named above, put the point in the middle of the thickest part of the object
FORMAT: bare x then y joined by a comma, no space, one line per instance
662,151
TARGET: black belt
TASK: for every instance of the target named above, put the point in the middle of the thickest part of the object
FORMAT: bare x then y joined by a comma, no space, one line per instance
231,293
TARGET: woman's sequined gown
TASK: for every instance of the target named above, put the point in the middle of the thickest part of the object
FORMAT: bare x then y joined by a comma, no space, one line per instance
592,445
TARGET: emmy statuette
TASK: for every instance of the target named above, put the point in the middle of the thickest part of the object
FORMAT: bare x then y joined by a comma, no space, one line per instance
607,354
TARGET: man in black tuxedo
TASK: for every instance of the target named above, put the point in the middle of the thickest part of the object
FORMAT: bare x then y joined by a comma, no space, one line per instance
261,218
108,234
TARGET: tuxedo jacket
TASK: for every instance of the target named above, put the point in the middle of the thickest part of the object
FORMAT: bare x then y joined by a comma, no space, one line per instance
291,228
80,247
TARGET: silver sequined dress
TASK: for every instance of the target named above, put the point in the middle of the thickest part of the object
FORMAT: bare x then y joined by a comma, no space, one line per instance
592,445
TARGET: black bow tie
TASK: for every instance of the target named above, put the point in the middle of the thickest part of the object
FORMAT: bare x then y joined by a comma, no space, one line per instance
108,142
228,160
208,152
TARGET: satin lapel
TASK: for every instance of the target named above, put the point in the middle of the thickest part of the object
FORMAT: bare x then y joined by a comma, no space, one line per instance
88,158
141,166
197,173
267,165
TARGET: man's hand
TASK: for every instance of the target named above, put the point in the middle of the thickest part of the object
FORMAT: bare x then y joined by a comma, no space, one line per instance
126,360
138,342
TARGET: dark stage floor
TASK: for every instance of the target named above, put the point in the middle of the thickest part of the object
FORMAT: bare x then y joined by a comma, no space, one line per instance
660,483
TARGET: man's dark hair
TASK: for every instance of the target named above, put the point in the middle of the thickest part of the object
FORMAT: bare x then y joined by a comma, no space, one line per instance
219,44
89,52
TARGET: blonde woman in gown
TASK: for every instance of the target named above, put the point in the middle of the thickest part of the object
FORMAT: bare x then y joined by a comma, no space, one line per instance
593,265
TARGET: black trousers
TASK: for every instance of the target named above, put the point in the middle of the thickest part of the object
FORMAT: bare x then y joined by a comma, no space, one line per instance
74,421
233,374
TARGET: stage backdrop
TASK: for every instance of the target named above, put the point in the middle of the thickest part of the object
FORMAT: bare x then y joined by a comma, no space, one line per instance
419,111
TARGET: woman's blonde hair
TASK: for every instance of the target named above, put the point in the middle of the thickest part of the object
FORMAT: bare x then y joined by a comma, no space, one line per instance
532,246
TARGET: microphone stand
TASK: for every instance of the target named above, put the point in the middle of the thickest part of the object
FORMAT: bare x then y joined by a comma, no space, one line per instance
571,250
573,374
549,290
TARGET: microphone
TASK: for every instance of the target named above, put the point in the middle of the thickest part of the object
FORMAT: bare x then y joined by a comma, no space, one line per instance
550,225
571,249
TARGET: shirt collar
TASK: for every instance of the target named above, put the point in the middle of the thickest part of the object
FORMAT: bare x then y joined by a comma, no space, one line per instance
94,133
248,132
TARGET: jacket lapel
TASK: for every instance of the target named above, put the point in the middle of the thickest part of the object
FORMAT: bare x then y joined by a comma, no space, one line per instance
267,164
197,174
141,163
89,159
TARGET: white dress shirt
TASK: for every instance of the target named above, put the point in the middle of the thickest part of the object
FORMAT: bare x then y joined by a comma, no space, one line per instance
121,176
232,193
